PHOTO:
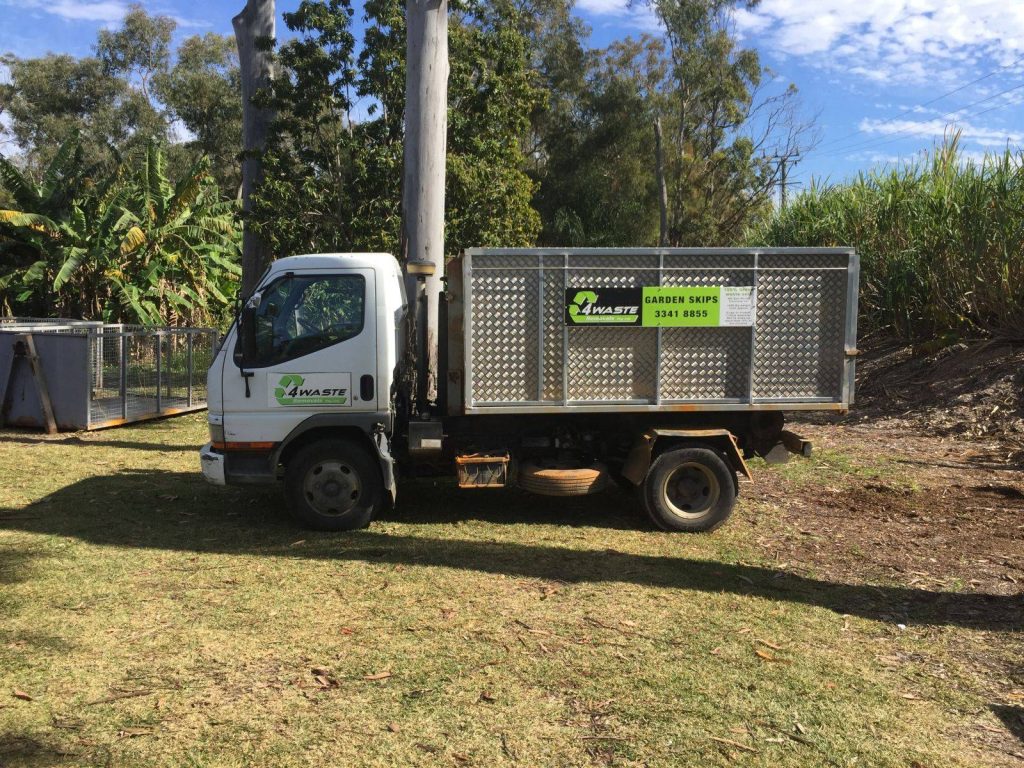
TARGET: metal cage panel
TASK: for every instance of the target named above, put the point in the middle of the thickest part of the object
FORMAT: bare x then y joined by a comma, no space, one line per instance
102,375
520,355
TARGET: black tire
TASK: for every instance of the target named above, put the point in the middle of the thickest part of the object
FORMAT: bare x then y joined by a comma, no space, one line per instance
552,479
334,485
690,490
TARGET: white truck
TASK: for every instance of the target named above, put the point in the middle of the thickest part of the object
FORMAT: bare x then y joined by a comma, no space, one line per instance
558,371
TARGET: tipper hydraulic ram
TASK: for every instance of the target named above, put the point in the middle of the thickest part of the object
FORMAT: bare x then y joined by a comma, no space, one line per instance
558,371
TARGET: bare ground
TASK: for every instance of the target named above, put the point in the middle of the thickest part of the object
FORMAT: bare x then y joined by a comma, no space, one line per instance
887,504
922,485
968,390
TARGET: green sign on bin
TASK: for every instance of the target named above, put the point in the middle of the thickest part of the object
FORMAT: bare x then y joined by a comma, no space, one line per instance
692,306
681,307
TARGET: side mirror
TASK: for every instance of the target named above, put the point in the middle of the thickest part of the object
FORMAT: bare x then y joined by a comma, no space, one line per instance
245,351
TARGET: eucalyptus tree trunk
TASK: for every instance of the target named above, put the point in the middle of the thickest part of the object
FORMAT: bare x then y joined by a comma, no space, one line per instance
426,126
254,29
659,167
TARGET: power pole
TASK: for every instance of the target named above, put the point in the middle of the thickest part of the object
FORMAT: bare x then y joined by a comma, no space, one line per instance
423,181
659,168
783,161
782,177
254,24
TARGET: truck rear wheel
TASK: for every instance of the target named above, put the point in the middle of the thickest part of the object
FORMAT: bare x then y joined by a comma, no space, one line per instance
333,485
689,489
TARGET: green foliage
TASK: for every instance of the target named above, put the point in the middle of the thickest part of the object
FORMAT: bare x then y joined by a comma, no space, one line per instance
597,185
333,183
127,246
595,145
130,92
718,122
202,90
140,48
488,195
54,97
940,240
305,201
546,139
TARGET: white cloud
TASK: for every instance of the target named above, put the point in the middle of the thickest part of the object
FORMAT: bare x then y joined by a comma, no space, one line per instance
908,41
937,128
965,157
186,23
106,11
180,134
8,145
633,15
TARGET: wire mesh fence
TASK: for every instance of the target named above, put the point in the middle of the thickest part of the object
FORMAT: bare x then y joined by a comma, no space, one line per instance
141,372
102,375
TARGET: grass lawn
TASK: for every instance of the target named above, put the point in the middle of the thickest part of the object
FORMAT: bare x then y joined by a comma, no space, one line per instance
149,619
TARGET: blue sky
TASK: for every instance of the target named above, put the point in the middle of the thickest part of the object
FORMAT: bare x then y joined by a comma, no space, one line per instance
875,72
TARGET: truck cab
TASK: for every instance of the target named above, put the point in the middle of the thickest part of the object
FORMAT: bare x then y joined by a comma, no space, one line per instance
313,352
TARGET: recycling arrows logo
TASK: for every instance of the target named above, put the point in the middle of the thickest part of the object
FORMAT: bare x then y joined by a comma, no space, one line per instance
288,381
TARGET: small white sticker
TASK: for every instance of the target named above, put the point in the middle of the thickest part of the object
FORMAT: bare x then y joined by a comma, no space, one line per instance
738,306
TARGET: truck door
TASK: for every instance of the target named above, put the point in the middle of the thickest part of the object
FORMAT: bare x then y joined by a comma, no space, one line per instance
316,352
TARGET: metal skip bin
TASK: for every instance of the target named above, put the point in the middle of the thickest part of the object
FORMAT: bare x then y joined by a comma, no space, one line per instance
98,375
634,329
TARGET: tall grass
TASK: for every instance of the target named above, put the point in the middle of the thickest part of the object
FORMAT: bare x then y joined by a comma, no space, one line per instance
941,241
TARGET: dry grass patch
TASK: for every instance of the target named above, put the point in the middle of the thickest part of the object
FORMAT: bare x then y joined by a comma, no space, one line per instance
149,619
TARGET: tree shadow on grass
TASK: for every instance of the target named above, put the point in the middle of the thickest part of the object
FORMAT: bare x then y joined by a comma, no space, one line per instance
428,501
31,440
1012,717
178,511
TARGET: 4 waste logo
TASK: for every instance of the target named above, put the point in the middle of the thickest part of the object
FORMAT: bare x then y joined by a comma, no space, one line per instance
312,389
602,306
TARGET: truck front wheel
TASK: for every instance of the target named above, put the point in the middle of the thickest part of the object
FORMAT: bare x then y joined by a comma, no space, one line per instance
333,485
689,489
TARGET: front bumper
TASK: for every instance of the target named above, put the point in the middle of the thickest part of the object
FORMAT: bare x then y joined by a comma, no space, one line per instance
212,464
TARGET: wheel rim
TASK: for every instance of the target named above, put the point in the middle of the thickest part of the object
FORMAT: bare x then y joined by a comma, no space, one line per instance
332,487
690,490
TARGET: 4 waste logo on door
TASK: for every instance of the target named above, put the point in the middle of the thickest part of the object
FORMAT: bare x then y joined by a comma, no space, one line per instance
306,389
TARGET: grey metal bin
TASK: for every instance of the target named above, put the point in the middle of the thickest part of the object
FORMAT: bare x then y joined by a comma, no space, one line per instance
102,375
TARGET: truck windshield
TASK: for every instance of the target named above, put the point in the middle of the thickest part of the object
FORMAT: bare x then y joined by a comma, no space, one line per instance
299,315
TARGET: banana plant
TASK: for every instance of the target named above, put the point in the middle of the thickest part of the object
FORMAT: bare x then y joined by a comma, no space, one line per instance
131,247
30,232
180,242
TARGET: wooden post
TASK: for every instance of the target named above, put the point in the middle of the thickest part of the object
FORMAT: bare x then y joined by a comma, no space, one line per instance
124,337
188,367
426,126
253,27
25,349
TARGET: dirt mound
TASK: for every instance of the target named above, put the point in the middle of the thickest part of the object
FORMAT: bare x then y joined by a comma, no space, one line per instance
968,389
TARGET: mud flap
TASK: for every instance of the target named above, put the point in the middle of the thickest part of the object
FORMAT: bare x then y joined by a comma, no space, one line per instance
387,464
789,443
639,460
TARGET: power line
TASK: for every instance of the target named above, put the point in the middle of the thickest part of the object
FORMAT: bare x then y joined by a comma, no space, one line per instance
927,103
881,141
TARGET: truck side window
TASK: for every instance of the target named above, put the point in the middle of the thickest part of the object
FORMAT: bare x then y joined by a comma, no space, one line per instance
299,315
